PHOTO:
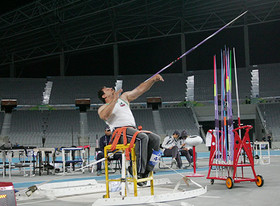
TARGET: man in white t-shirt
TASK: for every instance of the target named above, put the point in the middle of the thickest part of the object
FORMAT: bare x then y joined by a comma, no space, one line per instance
116,113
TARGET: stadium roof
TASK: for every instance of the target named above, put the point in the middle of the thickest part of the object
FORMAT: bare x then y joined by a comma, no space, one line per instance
46,27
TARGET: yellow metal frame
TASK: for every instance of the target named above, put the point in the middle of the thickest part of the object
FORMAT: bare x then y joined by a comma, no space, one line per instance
134,179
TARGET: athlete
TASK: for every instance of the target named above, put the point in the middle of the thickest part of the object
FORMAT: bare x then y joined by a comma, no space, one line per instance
116,113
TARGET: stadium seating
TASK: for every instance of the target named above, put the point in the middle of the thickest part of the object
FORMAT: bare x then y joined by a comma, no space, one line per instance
59,126
271,115
26,91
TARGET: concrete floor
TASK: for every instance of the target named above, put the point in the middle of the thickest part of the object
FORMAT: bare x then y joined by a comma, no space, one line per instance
246,193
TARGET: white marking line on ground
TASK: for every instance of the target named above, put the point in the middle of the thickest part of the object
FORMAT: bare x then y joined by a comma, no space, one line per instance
186,204
31,203
160,204
214,197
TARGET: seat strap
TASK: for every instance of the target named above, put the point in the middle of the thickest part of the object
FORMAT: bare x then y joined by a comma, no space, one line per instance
116,136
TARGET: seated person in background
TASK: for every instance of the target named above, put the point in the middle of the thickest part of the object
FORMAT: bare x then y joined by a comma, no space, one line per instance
185,149
104,141
171,149
264,146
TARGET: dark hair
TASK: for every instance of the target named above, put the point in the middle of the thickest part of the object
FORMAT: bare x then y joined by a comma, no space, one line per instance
100,94
176,132
107,128
184,133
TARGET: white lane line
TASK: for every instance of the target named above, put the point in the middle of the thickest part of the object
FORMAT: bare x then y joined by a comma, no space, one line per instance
31,203
186,204
214,197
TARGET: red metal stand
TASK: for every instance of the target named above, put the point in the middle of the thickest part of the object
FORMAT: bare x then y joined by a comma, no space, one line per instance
194,174
241,146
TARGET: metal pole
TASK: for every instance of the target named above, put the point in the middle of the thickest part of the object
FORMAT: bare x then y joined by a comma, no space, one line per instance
237,93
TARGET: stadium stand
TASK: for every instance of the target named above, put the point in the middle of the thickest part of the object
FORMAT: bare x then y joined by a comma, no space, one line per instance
95,125
63,123
204,80
179,119
1,119
271,114
66,89
26,91
269,80
173,88
61,126
27,127
144,118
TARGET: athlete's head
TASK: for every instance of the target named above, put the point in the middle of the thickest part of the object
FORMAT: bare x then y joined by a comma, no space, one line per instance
104,93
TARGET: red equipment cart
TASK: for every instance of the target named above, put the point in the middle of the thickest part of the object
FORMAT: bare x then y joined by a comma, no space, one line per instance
227,170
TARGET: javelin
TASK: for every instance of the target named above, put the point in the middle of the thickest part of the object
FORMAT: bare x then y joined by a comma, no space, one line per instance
193,48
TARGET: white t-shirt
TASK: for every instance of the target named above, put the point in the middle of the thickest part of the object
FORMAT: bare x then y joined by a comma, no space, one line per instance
121,116
168,142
